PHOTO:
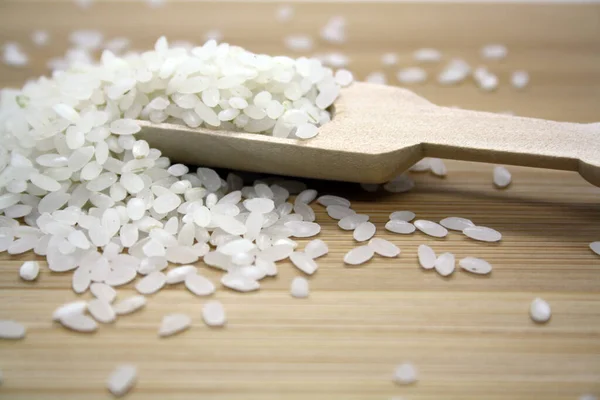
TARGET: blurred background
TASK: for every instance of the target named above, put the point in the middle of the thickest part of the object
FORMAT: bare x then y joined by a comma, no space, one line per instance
556,44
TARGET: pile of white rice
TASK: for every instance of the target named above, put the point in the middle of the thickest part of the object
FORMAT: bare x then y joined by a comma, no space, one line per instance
97,201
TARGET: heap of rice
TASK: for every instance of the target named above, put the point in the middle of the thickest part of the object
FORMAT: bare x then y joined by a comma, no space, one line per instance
87,189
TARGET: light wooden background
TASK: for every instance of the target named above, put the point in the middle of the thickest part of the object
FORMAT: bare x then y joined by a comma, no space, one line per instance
469,336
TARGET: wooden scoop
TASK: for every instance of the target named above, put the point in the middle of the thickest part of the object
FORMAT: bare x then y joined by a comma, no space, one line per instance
379,131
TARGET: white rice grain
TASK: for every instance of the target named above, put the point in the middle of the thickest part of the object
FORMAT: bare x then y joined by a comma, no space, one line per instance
400,226
389,59
75,307
359,255
402,215
343,77
456,71
276,253
178,274
426,256
121,380
129,305
103,292
11,330
316,248
456,223
151,283
268,266
502,176
284,13
305,211
431,228
540,310
303,262
482,233
427,55
384,248
172,324
444,264
303,229
519,79
199,285
377,78
81,280
40,38
213,313
29,270
352,221
239,282
412,75
298,42
14,56
488,82
78,322
299,287
330,200
437,167
421,166
259,205
306,196
338,212
494,52
475,265
405,374
102,311
595,247
364,231
400,184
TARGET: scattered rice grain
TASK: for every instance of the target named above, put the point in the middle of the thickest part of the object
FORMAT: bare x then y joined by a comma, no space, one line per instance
213,313
364,231
78,322
384,248
502,176
303,262
540,311
102,311
482,233
595,247
431,228
400,226
412,75
199,285
316,248
11,330
122,380
405,374
475,265
403,215
444,264
299,287
426,256
456,223
239,282
359,255
103,292
29,270
172,324
129,305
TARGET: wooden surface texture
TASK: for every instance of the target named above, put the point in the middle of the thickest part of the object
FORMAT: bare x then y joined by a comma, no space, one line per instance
470,337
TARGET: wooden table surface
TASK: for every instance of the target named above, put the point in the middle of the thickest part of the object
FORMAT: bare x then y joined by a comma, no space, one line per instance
469,336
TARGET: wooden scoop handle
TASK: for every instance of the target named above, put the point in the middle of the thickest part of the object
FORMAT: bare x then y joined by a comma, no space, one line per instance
503,139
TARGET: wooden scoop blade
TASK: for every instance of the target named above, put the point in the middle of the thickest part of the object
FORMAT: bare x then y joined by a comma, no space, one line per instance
379,131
